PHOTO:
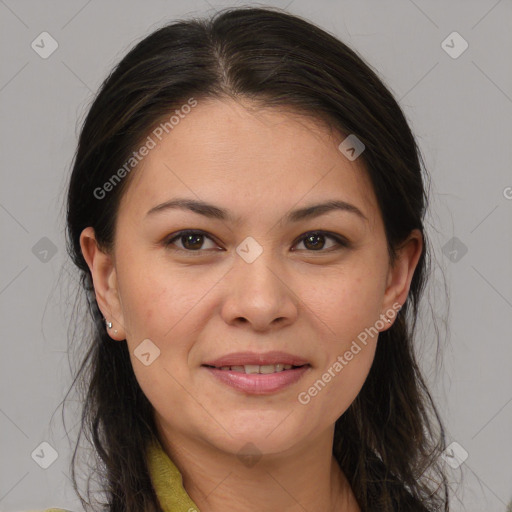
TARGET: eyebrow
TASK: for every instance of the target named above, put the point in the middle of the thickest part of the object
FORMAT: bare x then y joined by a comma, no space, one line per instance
214,212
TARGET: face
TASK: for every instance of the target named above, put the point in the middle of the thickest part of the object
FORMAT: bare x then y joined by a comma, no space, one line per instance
259,273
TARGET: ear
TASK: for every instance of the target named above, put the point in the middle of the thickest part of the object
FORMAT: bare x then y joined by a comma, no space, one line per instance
104,278
400,274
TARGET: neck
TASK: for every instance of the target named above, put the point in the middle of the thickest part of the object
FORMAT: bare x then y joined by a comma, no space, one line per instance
304,478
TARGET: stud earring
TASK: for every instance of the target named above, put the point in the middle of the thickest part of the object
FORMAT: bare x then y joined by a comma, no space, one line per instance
109,325
388,320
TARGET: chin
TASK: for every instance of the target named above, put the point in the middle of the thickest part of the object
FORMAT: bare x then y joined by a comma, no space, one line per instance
269,436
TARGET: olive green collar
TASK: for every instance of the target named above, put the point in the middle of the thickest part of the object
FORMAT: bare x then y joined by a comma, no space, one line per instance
167,481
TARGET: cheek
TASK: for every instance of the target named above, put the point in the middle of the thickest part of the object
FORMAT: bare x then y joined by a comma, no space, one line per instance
160,310
166,307
347,302
156,301
334,387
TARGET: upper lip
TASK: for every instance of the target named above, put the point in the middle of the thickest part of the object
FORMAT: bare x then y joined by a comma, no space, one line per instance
267,358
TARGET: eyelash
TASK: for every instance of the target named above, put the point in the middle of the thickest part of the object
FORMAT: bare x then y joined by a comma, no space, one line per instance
341,241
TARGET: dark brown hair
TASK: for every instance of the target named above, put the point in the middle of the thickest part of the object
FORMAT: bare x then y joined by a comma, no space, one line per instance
389,440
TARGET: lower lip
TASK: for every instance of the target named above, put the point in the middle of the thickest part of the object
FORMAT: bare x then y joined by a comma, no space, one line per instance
259,383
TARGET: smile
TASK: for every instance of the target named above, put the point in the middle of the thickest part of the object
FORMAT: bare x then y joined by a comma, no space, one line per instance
258,379
254,368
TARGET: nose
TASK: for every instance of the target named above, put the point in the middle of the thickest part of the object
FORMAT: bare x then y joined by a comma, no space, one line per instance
259,294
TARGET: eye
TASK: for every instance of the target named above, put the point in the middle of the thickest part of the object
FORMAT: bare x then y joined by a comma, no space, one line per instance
191,240
315,241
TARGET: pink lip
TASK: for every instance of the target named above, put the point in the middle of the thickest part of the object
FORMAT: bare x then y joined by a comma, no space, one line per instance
243,358
259,383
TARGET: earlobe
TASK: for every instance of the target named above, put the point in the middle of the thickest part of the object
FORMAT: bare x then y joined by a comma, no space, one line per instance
104,278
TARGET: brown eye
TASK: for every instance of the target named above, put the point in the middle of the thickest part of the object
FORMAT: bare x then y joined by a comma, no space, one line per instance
315,241
193,242
190,240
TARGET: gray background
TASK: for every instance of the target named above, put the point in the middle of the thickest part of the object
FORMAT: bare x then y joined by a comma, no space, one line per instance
460,110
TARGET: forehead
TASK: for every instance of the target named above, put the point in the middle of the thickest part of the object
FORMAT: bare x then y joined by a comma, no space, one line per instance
246,159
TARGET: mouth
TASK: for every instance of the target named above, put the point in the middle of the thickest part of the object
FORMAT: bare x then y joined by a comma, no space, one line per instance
253,379
270,362
258,369
258,373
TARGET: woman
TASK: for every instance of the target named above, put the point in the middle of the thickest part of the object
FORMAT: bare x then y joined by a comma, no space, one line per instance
246,212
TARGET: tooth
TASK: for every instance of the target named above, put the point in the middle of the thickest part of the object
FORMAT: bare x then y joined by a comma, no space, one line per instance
254,368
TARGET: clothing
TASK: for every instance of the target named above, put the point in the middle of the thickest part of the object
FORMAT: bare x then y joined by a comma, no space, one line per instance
167,482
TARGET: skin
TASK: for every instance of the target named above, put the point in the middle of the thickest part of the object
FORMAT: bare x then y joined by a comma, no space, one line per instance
199,305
